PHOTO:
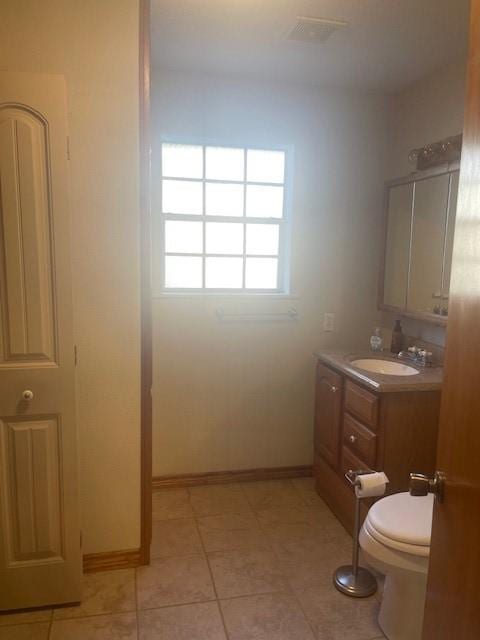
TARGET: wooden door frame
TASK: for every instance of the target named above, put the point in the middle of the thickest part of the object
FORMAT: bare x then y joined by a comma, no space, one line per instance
452,608
145,285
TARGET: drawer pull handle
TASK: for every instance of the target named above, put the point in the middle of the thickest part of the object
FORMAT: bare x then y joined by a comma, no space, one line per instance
352,439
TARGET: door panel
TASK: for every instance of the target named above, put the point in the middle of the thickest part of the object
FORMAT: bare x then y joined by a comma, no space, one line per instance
32,489
40,555
453,595
328,408
25,243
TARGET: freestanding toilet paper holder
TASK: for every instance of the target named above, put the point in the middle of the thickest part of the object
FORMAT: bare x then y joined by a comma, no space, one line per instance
351,579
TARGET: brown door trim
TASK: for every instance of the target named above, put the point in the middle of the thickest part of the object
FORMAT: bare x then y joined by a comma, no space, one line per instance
145,285
109,560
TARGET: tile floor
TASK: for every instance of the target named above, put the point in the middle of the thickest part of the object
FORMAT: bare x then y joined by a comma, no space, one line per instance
249,561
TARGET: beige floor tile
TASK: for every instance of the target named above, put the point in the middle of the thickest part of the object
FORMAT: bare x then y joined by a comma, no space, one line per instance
297,514
186,622
306,488
35,631
218,499
267,617
321,509
272,493
175,538
40,615
120,626
103,592
174,581
283,524
334,616
308,562
246,572
231,531
168,504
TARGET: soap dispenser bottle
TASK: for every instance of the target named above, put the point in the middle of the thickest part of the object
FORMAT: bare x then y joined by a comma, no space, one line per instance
376,341
397,338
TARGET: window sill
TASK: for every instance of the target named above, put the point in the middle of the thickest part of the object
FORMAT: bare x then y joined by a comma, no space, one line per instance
230,296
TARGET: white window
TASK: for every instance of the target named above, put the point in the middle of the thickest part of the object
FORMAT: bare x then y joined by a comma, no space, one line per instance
224,219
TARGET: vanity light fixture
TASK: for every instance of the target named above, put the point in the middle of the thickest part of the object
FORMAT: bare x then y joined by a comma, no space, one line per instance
437,153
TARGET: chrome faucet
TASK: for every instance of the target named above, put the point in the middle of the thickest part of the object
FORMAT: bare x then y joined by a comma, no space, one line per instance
421,357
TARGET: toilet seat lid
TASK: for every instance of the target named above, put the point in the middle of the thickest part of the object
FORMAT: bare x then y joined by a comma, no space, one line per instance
403,518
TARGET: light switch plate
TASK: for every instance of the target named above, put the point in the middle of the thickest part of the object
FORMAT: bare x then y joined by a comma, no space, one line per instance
328,321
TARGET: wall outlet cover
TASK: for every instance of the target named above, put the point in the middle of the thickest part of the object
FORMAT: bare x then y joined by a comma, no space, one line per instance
328,321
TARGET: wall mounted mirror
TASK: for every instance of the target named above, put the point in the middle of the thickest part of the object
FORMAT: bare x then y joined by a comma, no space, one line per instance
420,219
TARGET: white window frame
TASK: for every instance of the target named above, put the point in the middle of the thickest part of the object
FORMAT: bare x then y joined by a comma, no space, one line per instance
284,225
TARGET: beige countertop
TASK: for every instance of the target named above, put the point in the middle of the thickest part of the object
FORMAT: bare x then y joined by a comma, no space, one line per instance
428,378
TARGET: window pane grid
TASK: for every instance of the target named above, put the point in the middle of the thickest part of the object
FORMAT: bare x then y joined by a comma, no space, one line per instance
212,218
221,255
244,263
245,247
200,238
204,228
215,181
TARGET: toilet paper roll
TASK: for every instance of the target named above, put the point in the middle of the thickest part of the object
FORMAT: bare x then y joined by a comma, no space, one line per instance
371,484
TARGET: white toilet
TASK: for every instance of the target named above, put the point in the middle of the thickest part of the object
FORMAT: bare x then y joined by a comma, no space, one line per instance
395,539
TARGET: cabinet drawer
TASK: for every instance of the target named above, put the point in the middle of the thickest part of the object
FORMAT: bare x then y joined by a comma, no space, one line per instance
362,404
350,462
360,440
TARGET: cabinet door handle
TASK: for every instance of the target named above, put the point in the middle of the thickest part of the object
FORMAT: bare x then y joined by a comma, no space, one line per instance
332,387
352,439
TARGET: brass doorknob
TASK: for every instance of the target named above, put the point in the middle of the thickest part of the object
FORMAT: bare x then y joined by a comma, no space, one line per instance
27,394
421,485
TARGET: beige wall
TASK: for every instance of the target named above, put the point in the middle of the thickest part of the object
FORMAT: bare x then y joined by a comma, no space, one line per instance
240,395
94,44
427,111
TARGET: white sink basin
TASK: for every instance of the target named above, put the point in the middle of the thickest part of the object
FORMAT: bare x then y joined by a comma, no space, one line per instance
386,367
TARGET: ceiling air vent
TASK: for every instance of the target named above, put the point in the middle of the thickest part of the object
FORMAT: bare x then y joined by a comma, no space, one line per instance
315,30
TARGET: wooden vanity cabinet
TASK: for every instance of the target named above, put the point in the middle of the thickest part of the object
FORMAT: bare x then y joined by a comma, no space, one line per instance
355,428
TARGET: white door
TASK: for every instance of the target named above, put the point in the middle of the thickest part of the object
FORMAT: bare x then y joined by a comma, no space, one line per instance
40,555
